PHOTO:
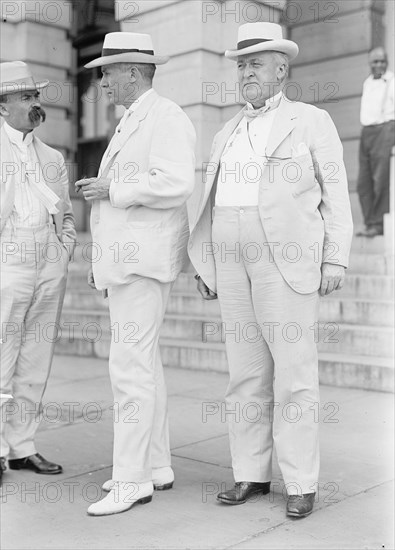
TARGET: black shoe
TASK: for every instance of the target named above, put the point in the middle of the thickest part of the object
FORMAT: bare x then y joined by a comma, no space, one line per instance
300,506
242,491
37,463
3,468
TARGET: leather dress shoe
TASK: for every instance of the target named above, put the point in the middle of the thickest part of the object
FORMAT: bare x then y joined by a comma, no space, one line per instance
122,496
3,468
242,491
37,463
300,506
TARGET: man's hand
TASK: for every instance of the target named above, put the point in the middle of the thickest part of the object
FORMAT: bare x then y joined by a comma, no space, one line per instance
94,188
204,290
91,279
332,278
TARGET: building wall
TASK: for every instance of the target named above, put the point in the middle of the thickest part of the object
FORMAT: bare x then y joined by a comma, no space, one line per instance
198,76
39,34
334,40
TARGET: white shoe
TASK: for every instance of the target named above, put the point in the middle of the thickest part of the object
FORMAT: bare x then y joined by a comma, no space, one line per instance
122,496
162,478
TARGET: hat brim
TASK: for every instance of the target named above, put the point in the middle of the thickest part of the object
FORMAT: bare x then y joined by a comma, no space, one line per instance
130,57
12,88
291,49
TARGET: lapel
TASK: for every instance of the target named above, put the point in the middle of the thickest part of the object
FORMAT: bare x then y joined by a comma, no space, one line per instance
284,122
7,178
42,155
222,140
131,125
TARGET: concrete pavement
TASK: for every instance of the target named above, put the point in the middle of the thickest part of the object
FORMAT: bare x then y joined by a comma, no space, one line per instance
354,507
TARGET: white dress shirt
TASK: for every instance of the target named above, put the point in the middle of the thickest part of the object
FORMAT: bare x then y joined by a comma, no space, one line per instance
377,103
28,210
244,158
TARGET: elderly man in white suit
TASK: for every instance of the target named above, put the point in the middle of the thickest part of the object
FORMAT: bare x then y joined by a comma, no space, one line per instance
279,232
139,220
37,239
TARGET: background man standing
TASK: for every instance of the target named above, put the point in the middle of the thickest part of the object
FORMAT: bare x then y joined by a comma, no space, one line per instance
377,140
37,240
281,230
139,220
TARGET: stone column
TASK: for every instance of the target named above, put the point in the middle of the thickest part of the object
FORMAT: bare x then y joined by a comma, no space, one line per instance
39,33
334,40
198,77
389,225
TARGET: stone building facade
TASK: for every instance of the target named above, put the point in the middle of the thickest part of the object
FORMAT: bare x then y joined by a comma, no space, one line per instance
57,37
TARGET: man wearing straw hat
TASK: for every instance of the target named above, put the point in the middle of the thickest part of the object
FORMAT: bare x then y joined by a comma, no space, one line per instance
279,235
139,220
37,240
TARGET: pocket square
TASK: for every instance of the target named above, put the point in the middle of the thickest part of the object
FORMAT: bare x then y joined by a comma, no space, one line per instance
300,150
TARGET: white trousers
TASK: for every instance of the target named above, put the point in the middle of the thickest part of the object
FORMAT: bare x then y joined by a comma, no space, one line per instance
269,334
141,432
32,283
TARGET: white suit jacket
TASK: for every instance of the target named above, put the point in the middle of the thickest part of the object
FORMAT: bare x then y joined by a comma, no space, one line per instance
55,175
143,228
303,198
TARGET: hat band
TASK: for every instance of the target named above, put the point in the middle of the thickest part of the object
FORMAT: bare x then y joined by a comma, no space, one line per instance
252,42
113,51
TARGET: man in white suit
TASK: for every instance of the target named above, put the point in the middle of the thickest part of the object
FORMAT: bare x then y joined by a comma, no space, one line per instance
37,239
279,232
139,220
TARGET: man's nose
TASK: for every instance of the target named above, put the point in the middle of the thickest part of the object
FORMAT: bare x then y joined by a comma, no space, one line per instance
248,71
103,82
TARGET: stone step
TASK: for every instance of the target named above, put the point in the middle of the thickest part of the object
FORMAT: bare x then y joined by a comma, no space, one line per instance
93,325
369,373
332,309
337,310
371,264
380,287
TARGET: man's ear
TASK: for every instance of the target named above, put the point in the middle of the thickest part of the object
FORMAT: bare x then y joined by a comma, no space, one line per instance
281,72
3,110
134,74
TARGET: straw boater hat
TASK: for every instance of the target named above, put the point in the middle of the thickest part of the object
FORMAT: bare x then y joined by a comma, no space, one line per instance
127,47
262,37
15,76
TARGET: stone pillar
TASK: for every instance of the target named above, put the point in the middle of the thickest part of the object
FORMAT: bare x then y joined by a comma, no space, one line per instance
198,76
39,33
334,40
389,224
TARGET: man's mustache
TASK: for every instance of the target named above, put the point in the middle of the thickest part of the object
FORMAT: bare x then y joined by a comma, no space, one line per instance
37,114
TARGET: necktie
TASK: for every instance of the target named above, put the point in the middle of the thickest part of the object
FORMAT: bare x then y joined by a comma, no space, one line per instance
252,114
43,193
35,179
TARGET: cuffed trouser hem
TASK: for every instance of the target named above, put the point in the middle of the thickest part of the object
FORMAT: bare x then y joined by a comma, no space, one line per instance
22,452
251,476
131,476
296,488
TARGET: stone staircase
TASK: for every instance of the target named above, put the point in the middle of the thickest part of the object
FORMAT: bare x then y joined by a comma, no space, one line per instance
355,334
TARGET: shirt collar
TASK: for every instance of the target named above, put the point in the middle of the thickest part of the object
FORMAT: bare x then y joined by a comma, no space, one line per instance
386,76
136,104
16,136
271,103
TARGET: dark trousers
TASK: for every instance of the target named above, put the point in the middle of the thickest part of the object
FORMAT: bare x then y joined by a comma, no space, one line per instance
374,172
